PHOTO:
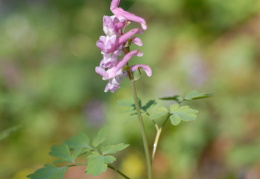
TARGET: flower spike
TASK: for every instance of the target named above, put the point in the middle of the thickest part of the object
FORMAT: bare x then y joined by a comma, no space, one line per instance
115,42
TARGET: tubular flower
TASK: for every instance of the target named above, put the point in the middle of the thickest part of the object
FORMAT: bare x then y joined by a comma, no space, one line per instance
113,44
123,15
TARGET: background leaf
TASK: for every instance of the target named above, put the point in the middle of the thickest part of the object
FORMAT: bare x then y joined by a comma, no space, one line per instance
101,136
8,131
177,98
192,95
49,172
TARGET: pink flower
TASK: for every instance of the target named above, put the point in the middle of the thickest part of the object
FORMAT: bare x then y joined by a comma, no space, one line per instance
123,15
111,25
117,69
109,44
146,68
114,83
113,44
110,59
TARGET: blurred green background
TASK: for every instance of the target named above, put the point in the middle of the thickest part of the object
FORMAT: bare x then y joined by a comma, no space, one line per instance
49,90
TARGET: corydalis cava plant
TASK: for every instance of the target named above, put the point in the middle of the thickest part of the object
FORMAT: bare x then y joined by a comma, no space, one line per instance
100,156
115,43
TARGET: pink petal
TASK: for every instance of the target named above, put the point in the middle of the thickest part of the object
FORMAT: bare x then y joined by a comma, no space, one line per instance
126,58
113,84
146,68
122,39
101,71
137,41
100,45
121,13
114,4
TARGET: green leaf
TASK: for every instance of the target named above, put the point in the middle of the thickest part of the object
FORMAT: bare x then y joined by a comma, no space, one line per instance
177,98
62,152
196,95
101,136
175,120
76,153
174,107
149,104
79,141
111,149
48,172
97,163
184,113
109,159
158,113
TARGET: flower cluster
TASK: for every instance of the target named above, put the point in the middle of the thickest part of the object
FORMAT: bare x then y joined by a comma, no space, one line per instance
113,44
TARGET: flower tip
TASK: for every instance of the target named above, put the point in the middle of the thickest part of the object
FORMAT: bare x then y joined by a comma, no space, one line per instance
114,4
139,54
146,68
144,26
101,71
137,41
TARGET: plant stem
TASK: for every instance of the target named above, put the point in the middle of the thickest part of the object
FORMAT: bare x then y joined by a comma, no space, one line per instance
144,137
155,144
119,172
157,137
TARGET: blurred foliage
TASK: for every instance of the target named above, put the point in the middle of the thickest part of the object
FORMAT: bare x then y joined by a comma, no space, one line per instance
49,88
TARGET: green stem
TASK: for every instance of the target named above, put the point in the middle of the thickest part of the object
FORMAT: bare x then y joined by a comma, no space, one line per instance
141,123
119,172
